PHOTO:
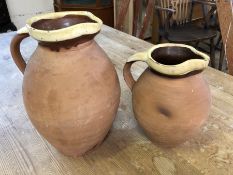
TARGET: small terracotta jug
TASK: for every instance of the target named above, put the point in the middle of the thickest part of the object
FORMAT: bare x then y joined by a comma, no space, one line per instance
171,99
71,90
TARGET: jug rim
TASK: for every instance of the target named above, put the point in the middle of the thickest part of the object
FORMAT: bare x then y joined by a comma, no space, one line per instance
182,68
67,33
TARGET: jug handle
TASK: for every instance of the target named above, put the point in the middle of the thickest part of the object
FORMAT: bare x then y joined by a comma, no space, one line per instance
142,56
15,51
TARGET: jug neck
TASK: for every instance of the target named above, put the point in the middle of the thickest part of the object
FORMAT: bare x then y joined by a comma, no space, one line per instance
174,76
80,42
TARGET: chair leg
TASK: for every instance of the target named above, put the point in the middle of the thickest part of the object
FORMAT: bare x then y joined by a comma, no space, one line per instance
222,55
219,40
212,52
159,39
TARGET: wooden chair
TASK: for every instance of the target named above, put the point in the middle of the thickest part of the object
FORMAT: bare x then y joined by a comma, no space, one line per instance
175,23
102,9
225,20
214,24
139,28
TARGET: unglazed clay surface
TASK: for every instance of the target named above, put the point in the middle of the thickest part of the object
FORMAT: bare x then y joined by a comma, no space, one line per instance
171,110
71,90
71,96
171,100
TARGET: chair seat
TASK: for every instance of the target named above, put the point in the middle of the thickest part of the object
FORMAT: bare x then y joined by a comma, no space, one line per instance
189,33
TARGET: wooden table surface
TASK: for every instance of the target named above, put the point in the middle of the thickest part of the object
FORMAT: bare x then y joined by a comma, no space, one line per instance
126,150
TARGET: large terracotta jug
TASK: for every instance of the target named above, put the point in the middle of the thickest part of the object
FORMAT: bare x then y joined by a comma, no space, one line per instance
71,90
171,99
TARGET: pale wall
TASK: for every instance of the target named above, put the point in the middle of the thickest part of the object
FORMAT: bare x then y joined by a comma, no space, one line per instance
21,10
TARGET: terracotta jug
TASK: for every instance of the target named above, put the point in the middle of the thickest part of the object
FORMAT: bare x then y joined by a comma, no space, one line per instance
71,90
171,99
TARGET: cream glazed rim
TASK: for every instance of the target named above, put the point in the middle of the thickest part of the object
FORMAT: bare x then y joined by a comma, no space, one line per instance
173,70
63,34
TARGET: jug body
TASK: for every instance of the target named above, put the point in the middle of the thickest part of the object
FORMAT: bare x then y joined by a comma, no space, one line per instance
172,107
71,92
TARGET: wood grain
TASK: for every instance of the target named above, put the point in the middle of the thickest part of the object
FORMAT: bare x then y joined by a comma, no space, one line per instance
123,6
126,150
147,18
225,13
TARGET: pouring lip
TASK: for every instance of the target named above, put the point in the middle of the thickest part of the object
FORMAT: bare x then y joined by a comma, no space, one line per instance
181,68
63,34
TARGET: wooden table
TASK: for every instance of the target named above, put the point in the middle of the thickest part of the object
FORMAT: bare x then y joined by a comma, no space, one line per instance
126,149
